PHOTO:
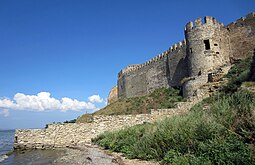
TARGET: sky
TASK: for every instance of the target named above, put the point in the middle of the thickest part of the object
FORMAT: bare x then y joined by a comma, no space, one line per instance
60,58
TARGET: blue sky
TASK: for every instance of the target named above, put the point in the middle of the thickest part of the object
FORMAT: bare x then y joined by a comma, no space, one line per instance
60,58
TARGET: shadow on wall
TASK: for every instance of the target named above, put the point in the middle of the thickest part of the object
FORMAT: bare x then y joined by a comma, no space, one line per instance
180,72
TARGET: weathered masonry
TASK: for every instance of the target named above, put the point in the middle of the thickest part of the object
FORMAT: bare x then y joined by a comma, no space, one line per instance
79,134
208,46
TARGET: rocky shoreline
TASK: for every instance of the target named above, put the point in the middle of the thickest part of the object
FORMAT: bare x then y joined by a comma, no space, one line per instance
93,155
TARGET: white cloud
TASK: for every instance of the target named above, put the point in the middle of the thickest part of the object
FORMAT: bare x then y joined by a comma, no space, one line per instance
5,113
44,102
95,99
68,103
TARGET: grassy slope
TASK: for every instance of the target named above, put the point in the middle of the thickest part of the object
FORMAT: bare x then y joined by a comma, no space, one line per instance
219,130
160,98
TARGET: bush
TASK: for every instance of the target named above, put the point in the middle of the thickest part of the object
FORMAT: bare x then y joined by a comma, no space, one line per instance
236,112
221,134
70,121
237,74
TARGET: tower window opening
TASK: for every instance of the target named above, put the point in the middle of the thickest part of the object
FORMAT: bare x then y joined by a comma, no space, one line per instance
199,73
207,44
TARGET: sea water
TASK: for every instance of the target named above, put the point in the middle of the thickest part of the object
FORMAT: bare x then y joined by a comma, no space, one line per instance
6,143
29,157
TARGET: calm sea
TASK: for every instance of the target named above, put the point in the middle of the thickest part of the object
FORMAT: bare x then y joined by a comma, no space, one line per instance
34,157
6,143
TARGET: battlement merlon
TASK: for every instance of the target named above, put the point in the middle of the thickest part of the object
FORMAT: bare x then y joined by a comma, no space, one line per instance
209,20
198,23
250,15
189,26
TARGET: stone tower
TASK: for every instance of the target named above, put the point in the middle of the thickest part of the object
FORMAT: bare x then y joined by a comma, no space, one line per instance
205,46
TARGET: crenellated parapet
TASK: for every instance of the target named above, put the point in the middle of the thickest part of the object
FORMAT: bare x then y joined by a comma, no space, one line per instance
208,45
128,69
133,68
248,16
242,19
198,23
177,46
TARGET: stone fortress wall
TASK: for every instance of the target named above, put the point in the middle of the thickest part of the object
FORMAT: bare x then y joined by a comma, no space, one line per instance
141,79
242,37
208,45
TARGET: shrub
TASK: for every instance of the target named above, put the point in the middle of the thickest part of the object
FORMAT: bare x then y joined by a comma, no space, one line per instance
219,135
237,74
70,121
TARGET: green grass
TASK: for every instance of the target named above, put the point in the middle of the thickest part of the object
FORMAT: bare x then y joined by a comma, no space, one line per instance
218,130
86,118
224,133
237,74
160,98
